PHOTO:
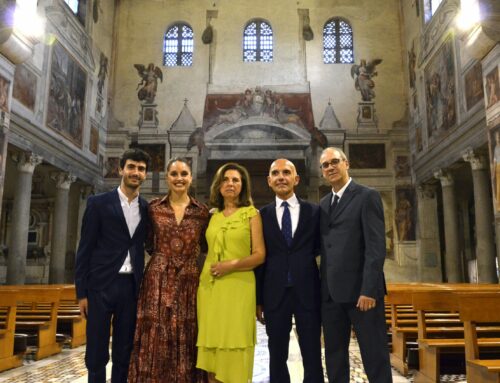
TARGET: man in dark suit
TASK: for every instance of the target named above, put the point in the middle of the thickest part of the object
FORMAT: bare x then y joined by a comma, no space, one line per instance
109,266
352,278
288,282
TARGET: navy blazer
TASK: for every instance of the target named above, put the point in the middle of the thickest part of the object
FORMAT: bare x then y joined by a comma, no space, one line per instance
105,242
353,245
300,258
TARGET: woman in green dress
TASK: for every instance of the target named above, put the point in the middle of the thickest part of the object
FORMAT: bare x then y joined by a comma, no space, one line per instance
226,294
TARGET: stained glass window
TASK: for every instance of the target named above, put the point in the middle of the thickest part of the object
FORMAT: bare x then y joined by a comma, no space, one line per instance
258,41
178,46
337,42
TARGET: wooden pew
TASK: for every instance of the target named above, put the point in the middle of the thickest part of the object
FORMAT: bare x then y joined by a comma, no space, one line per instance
38,320
69,320
8,360
475,309
449,338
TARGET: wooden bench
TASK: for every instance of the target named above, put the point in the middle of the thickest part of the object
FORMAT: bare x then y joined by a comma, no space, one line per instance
475,309
448,339
405,330
36,318
69,320
8,360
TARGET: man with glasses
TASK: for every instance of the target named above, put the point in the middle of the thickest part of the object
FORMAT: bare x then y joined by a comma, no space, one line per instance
352,278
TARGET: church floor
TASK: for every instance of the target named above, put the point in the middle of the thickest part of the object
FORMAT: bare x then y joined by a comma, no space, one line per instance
69,367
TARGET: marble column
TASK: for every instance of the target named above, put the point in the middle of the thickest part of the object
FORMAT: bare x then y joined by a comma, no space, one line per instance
60,227
18,245
485,238
452,260
428,249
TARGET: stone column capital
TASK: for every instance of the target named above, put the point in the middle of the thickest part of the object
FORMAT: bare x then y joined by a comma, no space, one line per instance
444,176
27,162
426,191
63,180
477,161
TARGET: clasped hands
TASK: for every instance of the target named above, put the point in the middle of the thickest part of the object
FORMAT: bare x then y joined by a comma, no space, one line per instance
219,269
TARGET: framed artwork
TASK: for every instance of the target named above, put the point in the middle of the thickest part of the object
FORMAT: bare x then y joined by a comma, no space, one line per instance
440,91
402,166
474,85
157,153
112,167
66,101
4,94
25,85
94,139
492,88
367,156
405,213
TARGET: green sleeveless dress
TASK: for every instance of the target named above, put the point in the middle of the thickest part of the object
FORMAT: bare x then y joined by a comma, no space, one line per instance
226,305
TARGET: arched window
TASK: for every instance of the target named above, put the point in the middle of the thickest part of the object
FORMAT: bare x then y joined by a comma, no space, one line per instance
178,46
258,41
337,42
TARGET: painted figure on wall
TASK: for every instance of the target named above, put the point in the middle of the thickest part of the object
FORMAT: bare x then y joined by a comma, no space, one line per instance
474,85
402,166
492,88
412,61
496,163
404,214
363,75
4,94
440,91
24,88
65,111
103,71
149,81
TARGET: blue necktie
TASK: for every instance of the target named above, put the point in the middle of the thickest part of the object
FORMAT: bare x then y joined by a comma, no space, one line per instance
286,224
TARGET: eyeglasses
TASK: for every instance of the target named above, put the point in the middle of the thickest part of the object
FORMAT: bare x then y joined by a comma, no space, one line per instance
325,165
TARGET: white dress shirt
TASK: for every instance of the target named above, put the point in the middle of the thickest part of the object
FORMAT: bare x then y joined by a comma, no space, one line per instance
132,215
341,191
293,206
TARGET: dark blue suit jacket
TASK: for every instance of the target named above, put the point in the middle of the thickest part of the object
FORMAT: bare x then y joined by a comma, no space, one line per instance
353,245
105,242
300,258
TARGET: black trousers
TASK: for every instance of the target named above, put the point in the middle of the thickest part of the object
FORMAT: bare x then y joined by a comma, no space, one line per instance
278,327
116,305
371,333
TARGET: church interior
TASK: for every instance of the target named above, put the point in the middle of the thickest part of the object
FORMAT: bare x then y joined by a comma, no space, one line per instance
409,89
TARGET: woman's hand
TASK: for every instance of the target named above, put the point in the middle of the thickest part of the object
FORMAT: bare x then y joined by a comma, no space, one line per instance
219,269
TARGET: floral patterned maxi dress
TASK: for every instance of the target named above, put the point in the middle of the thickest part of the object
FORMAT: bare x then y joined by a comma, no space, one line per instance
165,336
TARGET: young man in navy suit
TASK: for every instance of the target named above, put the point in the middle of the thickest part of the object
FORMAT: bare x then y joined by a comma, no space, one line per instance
109,266
288,282
352,277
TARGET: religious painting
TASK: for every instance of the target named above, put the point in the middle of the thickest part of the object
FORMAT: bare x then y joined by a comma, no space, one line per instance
492,88
4,94
474,85
405,213
389,229
157,153
94,139
440,91
367,156
24,89
112,167
402,166
66,104
494,138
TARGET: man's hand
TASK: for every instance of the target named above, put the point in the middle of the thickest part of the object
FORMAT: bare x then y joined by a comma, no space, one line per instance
260,314
84,306
366,303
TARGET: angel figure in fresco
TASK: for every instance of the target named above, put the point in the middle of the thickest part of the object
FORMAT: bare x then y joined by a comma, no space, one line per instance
363,75
149,81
